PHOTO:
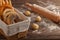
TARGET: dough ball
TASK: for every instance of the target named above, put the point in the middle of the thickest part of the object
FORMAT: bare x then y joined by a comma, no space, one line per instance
38,19
35,26
27,13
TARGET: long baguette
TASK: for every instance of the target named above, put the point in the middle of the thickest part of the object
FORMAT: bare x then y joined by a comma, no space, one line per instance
44,12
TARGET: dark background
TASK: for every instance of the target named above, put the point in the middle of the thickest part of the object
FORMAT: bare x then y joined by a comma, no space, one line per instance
17,3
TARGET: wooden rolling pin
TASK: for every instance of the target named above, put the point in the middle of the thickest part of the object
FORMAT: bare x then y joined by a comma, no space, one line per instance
44,12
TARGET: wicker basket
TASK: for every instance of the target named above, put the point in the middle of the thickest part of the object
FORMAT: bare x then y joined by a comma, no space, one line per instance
11,31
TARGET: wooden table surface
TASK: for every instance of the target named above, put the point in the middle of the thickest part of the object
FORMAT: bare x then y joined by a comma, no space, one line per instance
44,32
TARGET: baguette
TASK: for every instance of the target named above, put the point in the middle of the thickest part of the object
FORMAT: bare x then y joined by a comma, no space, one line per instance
4,4
44,12
1,2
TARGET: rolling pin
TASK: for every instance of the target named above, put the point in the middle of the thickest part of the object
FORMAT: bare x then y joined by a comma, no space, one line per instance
44,12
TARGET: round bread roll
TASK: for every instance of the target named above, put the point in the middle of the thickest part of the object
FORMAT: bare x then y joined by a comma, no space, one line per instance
10,16
38,19
35,26
10,19
27,13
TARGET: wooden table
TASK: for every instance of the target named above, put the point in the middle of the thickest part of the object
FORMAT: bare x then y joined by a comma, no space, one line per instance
44,32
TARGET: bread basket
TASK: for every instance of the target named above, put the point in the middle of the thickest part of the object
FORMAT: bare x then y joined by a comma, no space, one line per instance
16,28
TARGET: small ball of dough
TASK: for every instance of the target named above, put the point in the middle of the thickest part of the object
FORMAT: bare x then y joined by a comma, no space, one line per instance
38,19
27,13
35,26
